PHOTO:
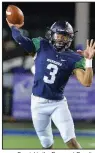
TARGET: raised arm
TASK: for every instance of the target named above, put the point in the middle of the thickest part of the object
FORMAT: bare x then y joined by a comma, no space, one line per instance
25,42
86,77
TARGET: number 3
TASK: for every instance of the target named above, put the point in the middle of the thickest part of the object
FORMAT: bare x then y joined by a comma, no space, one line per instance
53,73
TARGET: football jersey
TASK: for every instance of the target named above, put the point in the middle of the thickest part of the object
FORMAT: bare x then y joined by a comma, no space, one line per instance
52,68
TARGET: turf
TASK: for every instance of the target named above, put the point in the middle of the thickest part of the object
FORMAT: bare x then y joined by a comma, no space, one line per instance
32,142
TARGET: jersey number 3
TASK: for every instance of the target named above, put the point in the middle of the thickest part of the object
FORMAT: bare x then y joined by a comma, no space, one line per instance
52,74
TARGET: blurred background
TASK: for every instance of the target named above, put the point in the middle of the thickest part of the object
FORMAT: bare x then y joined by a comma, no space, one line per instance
18,131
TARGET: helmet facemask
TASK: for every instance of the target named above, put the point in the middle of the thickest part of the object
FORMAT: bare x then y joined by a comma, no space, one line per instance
61,40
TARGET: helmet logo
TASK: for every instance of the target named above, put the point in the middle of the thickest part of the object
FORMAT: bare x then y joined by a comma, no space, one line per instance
60,30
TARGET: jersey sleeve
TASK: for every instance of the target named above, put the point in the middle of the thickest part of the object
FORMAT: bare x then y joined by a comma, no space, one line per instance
79,63
31,46
37,42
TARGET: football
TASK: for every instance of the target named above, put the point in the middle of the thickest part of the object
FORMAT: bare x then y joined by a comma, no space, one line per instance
14,15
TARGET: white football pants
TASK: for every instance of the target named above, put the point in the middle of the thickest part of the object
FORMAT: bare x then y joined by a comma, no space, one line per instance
43,110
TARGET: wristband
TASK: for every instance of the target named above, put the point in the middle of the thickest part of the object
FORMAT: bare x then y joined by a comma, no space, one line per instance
88,63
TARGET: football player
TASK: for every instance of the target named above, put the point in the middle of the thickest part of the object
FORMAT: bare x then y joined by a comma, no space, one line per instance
54,64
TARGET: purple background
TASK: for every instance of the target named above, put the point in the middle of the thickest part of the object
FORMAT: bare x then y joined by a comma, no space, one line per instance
22,96
81,100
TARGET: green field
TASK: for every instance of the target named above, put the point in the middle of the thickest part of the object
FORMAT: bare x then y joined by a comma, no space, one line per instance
32,142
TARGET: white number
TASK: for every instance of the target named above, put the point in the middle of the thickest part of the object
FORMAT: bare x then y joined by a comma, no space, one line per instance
53,73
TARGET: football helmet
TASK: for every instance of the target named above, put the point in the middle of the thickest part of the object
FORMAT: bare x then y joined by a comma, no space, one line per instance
60,34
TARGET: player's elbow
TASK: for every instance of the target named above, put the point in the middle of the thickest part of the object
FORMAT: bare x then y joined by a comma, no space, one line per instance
88,84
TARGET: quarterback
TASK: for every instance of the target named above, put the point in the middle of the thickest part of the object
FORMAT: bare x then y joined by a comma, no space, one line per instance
54,64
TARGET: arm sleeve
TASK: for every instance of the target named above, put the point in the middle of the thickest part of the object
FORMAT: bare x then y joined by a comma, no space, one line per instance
79,63
28,44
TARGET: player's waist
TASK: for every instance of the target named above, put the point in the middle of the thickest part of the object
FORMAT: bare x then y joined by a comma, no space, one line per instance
46,91
45,100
